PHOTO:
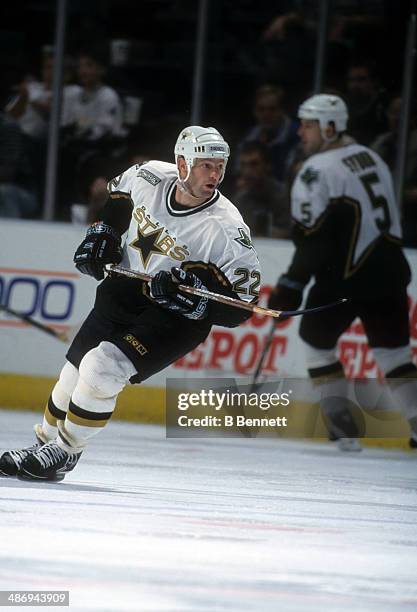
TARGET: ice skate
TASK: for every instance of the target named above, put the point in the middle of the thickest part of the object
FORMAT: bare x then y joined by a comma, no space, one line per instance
10,461
350,445
48,462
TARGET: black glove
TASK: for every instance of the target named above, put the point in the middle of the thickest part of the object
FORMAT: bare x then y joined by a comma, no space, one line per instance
164,290
287,295
101,246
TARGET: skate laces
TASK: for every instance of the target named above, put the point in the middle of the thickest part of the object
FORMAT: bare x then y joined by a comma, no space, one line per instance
19,455
49,454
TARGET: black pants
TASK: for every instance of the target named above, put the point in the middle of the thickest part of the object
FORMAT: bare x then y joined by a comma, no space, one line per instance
385,319
152,340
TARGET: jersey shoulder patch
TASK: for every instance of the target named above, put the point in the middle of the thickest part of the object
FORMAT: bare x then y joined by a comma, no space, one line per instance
230,228
309,175
243,238
149,176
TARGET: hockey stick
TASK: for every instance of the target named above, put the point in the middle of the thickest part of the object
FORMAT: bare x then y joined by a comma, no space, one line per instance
59,335
262,358
225,299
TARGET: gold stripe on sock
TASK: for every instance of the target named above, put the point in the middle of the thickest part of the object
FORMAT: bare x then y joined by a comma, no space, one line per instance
50,419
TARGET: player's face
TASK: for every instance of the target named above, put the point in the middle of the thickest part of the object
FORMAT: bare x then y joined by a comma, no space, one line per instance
310,136
205,176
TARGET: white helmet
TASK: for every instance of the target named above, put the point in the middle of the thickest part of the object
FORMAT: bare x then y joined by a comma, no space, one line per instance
203,142
325,108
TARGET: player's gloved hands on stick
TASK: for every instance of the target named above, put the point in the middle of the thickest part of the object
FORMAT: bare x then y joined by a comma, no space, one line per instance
101,246
164,290
287,295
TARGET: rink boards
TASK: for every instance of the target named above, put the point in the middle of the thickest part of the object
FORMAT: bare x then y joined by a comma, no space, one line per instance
37,278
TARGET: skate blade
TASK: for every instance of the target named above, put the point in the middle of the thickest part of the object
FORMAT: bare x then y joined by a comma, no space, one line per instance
349,445
5,475
27,476
9,471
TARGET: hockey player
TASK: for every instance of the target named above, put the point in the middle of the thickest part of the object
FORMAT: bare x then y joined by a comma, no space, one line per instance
180,229
348,238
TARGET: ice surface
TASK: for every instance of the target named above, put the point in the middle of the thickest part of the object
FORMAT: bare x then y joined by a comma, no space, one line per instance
145,523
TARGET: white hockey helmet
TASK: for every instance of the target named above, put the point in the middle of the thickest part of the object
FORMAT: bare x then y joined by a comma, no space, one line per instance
325,108
201,142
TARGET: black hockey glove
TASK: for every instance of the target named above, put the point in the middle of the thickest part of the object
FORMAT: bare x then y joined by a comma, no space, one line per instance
164,290
101,246
287,295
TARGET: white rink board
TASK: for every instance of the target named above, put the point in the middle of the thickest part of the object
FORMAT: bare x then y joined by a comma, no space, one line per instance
37,276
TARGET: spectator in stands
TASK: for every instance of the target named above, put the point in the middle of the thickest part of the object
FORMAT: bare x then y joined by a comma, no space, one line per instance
386,146
92,132
16,196
96,110
87,213
288,51
289,41
366,102
273,128
31,106
261,199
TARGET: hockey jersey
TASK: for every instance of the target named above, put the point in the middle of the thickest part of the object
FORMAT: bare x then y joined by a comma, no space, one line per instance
210,240
347,226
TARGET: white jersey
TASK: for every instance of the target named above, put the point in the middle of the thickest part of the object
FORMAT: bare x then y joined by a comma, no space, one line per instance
162,234
34,123
97,113
355,175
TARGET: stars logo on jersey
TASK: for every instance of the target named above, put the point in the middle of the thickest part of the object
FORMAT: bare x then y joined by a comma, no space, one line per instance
309,176
244,239
147,245
154,239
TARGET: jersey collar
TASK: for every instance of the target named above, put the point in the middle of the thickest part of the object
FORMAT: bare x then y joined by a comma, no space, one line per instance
186,211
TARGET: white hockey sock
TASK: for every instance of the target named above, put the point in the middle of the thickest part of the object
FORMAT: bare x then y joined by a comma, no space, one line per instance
404,392
103,373
332,387
50,431
403,384
58,402
87,414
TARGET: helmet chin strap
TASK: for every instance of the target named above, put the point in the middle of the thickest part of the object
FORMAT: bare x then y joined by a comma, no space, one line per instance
184,188
182,184
327,139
